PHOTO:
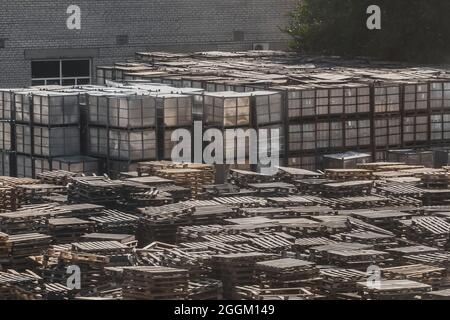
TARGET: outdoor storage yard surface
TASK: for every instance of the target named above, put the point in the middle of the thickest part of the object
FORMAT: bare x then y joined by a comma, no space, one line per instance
258,237
96,203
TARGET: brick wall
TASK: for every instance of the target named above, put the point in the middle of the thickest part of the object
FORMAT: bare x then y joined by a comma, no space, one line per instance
176,25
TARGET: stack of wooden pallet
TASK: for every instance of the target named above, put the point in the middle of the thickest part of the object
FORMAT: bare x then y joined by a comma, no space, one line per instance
348,174
195,260
13,183
155,283
303,244
392,290
149,168
58,177
35,193
380,241
273,242
253,292
192,178
96,190
347,188
92,268
237,269
243,178
440,259
440,180
339,280
205,289
194,233
19,286
15,249
349,255
378,166
272,188
429,230
116,252
8,199
114,221
431,275
286,273
388,219
68,230
33,219
161,223
177,193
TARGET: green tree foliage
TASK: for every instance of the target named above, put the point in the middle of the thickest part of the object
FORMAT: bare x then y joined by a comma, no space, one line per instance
411,30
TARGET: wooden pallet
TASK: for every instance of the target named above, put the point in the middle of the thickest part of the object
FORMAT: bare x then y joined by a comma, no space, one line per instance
253,292
286,273
155,283
393,289
237,269
15,249
68,230
114,221
340,280
378,166
205,289
348,174
58,177
435,180
433,276
8,199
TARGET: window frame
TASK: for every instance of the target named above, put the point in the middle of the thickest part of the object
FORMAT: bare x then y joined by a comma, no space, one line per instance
61,78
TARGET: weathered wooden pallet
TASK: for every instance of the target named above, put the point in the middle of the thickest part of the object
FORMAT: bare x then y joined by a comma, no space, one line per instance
392,289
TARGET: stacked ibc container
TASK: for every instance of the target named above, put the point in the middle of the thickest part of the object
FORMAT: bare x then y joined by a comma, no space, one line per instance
175,113
229,110
440,112
416,117
122,129
387,119
6,133
245,110
325,119
47,126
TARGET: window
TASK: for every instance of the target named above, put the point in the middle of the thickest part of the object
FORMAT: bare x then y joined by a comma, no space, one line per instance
60,72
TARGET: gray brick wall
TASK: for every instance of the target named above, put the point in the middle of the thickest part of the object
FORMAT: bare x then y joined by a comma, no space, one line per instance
176,25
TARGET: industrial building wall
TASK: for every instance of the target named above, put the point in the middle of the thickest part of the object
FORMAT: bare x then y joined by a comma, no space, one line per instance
36,29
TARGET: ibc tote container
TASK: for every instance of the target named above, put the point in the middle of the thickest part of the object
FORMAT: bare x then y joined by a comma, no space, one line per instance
302,137
23,139
415,97
5,163
440,127
440,95
122,110
169,144
329,134
387,98
56,141
415,129
175,110
129,145
22,102
76,164
388,131
5,136
132,145
301,102
6,104
227,109
56,108
24,166
357,133
267,106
